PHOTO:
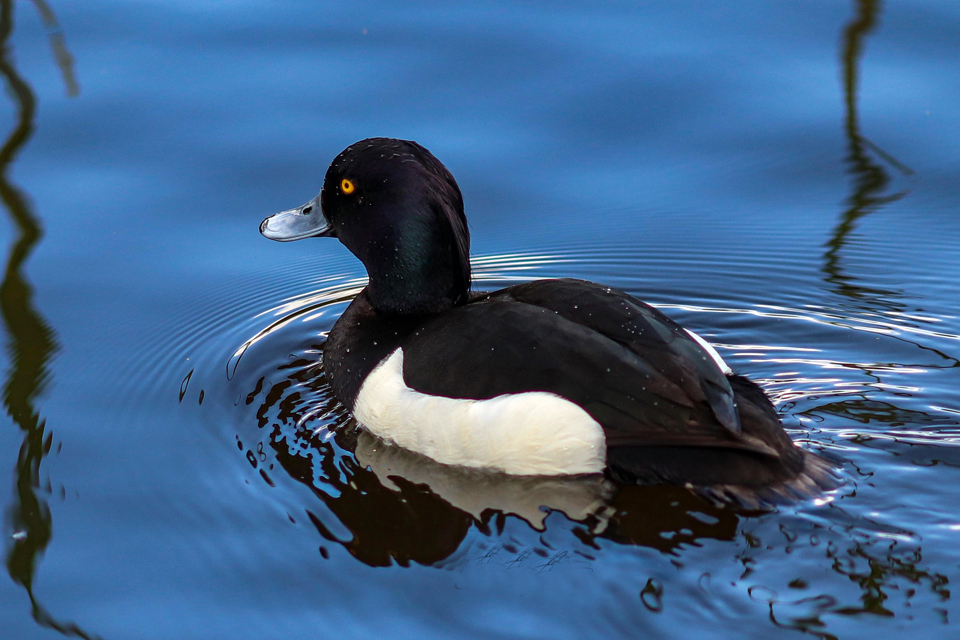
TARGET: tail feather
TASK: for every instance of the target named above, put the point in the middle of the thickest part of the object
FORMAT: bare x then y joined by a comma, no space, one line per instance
731,476
818,476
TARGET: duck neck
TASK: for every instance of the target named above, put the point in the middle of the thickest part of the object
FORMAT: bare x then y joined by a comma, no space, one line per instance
418,270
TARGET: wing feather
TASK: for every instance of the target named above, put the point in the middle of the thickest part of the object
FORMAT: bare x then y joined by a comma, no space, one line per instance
639,374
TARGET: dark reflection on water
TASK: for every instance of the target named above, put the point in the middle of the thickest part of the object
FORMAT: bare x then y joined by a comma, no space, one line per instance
870,177
58,43
32,342
869,166
878,565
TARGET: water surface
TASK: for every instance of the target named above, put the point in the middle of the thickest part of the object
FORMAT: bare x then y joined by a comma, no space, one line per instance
781,178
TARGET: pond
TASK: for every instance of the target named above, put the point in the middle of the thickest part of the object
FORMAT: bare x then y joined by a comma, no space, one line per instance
782,178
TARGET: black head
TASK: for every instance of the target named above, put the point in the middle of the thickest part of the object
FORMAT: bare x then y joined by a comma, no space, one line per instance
399,210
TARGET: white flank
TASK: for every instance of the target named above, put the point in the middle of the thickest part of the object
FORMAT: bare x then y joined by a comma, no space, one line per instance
532,433
713,353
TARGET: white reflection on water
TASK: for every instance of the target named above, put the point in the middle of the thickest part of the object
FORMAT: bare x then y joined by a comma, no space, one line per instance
304,307
881,326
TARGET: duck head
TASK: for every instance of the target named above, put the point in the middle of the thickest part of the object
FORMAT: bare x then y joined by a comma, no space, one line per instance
399,210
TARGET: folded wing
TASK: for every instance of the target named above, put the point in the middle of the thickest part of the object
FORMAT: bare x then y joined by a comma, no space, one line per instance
635,371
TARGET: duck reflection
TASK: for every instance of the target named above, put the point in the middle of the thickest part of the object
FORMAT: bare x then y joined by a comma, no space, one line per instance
474,491
400,507
32,342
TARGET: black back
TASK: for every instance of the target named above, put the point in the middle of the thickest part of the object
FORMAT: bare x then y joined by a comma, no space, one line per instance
630,367
635,371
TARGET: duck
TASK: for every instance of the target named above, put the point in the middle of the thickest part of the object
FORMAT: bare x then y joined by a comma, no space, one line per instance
553,377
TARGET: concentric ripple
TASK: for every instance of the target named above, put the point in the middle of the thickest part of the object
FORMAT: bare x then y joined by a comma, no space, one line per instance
870,382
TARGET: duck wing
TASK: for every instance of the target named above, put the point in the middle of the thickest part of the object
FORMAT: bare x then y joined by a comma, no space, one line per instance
635,371
642,329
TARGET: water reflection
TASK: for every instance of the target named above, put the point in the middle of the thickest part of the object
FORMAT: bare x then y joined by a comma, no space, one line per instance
58,43
32,342
866,165
870,167
880,560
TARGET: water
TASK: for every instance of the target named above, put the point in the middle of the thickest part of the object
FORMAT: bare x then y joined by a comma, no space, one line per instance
780,177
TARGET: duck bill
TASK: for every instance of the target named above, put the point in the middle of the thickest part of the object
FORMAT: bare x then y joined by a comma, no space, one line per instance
307,221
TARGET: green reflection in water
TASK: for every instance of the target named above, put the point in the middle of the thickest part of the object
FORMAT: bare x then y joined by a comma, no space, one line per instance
32,342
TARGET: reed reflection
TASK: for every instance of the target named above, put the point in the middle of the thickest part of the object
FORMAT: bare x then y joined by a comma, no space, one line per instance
870,168
880,560
31,341
866,164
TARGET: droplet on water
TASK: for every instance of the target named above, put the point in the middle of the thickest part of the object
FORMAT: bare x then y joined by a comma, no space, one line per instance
652,595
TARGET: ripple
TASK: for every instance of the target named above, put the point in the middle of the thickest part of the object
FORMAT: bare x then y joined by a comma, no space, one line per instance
852,379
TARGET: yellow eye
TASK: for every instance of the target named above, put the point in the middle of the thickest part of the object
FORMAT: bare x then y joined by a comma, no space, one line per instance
346,186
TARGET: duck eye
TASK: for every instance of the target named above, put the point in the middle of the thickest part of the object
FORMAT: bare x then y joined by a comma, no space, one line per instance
346,186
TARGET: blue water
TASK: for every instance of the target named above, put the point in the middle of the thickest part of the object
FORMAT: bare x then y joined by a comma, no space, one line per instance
783,178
